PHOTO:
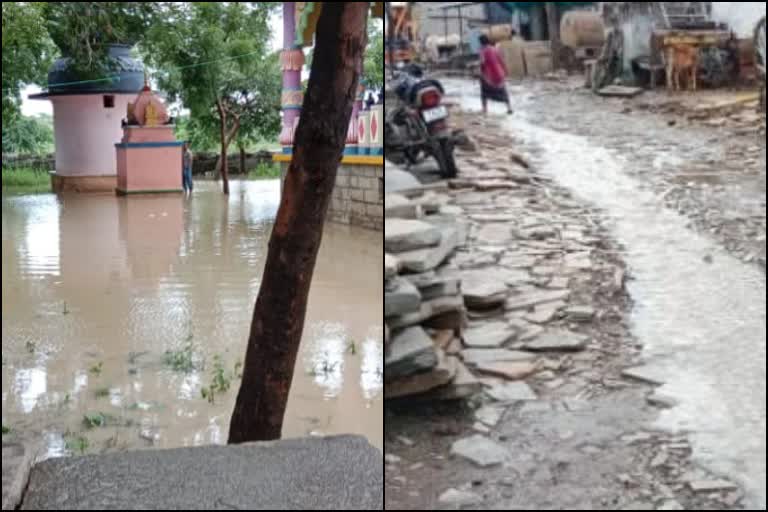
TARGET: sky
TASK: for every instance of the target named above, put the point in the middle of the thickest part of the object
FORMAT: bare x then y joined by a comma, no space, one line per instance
34,107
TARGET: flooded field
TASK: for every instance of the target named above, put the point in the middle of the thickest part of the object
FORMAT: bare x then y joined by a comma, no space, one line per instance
119,312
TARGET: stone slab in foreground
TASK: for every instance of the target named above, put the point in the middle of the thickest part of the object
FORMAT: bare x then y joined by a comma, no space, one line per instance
331,473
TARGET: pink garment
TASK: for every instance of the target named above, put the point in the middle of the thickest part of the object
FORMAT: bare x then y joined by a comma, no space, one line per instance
492,66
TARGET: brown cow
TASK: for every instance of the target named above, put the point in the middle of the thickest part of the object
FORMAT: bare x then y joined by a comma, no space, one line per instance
681,60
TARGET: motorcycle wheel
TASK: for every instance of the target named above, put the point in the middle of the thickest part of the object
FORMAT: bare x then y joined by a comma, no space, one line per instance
445,160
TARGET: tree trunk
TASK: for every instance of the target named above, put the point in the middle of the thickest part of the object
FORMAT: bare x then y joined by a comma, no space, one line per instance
278,317
242,161
224,144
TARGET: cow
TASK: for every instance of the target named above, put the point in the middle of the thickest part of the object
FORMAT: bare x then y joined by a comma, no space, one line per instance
681,60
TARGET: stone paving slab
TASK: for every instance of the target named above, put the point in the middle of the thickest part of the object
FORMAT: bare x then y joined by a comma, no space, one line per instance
331,473
18,458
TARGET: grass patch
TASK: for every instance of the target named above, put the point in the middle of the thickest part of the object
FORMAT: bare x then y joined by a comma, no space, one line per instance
77,444
183,360
96,368
221,380
26,180
98,419
265,171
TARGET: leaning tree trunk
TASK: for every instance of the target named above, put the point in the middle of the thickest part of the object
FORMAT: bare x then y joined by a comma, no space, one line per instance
278,318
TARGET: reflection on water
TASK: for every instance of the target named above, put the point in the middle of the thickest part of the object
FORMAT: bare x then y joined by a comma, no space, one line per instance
97,289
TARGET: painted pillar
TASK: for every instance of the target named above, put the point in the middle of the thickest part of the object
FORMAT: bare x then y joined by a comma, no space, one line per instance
352,136
291,62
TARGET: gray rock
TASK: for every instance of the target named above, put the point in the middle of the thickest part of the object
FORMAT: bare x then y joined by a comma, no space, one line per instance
421,382
545,313
661,400
401,235
711,485
580,313
326,473
428,309
463,385
670,505
474,356
494,234
509,370
490,335
18,457
410,351
391,266
404,298
644,374
456,497
391,458
397,180
423,260
396,205
511,392
489,415
480,450
558,340
529,300
483,289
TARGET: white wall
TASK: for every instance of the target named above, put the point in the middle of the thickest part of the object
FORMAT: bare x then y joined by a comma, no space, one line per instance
740,16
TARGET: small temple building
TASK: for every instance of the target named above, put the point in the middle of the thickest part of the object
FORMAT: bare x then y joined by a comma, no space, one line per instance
87,121
148,156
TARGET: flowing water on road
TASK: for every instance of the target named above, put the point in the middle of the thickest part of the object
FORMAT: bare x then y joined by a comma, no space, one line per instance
702,320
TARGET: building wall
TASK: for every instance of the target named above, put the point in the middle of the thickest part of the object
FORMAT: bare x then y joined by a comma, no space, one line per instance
85,133
431,26
358,197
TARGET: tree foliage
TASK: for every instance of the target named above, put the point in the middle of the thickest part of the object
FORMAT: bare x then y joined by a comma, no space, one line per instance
29,135
27,53
373,72
212,57
82,30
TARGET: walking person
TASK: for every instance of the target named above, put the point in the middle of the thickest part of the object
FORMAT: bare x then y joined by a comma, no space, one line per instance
186,171
493,73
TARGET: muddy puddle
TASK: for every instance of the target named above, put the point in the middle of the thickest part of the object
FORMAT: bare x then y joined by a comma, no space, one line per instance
699,312
118,312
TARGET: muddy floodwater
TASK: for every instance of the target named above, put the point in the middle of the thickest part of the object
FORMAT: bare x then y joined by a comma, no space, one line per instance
121,310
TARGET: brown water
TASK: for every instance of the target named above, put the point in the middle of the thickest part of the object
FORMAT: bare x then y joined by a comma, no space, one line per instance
111,283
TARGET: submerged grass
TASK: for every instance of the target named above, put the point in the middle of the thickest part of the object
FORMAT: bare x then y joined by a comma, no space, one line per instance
26,180
265,171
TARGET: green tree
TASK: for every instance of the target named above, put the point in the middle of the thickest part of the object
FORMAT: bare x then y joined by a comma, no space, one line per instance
374,56
82,30
210,55
27,54
29,135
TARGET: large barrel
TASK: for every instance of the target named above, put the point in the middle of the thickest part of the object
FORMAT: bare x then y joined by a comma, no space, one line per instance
579,29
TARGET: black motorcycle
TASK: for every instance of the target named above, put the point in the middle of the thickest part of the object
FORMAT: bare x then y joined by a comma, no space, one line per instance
417,127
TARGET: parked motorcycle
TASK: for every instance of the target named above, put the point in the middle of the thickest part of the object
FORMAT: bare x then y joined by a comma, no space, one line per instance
416,128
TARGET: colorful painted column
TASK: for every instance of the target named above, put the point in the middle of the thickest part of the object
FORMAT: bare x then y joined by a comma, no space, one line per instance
291,61
352,136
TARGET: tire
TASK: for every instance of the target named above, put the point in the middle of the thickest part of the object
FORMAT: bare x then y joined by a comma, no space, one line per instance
446,160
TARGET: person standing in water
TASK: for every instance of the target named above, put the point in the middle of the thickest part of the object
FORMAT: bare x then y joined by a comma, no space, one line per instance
186,171
493,73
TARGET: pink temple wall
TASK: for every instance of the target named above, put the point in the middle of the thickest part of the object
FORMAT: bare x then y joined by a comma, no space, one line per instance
86,132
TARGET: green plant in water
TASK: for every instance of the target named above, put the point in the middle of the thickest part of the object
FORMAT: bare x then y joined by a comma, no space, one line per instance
352,348
30,346
77,444
97,419
182,360
265,171
65,311
96,368
6,429
102,392
220,379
